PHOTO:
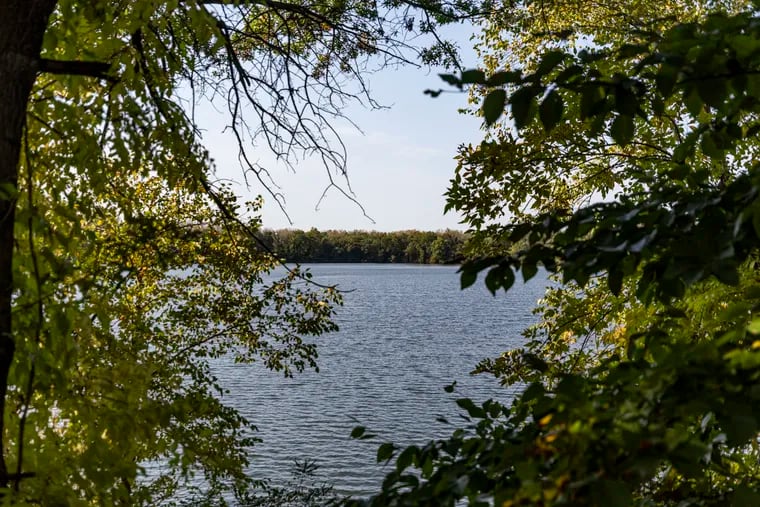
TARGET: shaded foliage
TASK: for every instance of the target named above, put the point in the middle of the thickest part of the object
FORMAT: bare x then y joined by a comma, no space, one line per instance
626,165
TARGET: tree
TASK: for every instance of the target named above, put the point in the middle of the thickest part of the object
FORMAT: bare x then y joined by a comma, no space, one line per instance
122,265
640,383
367,246
147,304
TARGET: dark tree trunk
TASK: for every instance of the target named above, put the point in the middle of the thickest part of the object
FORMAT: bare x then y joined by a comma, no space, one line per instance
22,26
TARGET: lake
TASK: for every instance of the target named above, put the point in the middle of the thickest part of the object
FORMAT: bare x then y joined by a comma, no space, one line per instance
406,331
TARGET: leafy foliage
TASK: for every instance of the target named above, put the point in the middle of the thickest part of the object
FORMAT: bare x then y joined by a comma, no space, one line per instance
640,380
149,300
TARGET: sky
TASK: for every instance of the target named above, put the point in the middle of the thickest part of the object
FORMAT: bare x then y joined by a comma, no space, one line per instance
399,164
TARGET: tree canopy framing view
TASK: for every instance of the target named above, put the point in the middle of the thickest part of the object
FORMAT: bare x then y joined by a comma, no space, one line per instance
620,155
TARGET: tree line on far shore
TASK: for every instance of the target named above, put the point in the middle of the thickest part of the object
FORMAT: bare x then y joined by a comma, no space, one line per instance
417,247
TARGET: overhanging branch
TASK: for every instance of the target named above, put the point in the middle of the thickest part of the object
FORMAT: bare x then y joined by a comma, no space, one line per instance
97,70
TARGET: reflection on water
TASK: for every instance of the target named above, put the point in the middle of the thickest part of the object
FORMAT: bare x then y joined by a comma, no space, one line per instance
406,332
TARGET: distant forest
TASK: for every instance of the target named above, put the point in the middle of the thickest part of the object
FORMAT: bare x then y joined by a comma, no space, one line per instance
418,247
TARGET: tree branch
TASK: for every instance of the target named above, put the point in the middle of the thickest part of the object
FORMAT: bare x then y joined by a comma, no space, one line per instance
97,70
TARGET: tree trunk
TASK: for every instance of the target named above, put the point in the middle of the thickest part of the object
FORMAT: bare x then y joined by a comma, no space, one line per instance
22,26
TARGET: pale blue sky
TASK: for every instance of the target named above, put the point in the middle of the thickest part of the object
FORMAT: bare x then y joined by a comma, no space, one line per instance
399,167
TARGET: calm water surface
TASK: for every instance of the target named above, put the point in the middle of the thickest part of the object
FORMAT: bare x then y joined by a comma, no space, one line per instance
406,331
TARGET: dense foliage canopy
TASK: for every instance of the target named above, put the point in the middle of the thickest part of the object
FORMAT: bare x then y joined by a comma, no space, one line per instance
626,164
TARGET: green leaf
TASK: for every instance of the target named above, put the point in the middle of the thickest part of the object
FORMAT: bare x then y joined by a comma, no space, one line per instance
522,105
745,46
627,51
549,61
658,106
406,458
526,470
535,362
529,270
473,76
504,77
683,151
533,392
493,105
587,56
358,431
745,496
551,109
615,280
693,102
665,80
493,280
712,91
709,146
569,74
385,452
467,278
427,467
472,409
626,102
622,129
596,126
592,101
507,276
451,79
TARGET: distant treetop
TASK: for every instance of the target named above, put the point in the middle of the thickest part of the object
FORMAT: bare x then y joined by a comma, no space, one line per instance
417,247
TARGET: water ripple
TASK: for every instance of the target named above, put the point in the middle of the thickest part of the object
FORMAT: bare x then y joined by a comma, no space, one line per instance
406,332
